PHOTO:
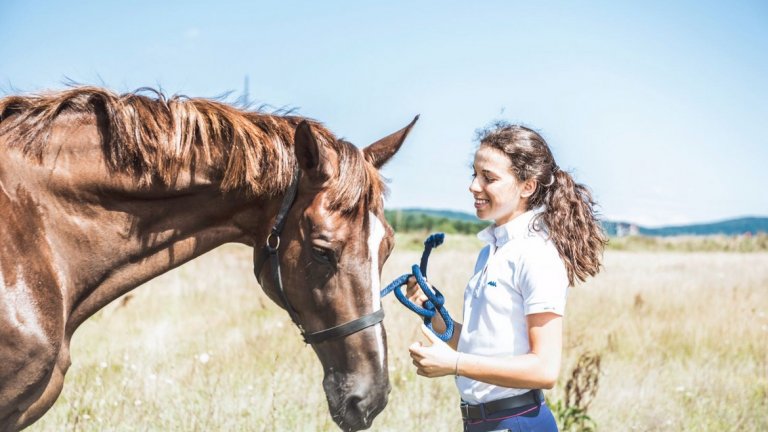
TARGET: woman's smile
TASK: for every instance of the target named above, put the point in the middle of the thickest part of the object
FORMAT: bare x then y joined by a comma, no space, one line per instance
497,194
481,203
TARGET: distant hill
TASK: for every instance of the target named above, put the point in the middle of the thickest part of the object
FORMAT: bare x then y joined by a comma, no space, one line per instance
752,225
419,219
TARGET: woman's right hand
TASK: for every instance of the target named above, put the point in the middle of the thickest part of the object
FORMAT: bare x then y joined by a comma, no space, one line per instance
414,293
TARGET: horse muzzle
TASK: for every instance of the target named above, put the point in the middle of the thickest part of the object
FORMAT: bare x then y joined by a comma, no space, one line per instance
354,403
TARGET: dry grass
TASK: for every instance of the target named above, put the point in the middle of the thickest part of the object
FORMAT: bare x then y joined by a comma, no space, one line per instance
712,243
683,339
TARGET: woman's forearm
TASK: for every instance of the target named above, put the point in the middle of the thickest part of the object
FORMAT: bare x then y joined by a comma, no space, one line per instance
539,368
523,371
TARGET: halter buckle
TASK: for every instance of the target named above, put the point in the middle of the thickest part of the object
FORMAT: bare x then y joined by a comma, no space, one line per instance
269,242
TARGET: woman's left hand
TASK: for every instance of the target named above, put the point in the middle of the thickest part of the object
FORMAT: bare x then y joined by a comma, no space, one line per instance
436,360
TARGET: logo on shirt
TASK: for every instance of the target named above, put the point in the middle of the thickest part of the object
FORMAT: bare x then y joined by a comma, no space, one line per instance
492,283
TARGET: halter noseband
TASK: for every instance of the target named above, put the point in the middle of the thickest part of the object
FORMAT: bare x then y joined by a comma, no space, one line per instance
269,252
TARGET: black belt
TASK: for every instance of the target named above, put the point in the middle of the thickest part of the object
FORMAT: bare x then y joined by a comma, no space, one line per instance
481,411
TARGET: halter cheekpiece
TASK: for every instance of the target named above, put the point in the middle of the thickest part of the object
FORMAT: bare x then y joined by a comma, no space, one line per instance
270,252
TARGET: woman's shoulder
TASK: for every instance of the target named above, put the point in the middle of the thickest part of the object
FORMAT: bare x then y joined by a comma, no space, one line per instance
538,247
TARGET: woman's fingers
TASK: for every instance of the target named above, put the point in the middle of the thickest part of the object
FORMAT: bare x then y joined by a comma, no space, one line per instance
415,348
414,293
411,287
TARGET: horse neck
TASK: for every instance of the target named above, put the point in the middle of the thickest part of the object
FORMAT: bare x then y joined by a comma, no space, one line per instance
138,239
105,236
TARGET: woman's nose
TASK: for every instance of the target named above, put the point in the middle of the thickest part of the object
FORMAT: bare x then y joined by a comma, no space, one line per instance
474,187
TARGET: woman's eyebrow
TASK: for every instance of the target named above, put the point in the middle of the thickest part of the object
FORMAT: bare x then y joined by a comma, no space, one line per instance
484,171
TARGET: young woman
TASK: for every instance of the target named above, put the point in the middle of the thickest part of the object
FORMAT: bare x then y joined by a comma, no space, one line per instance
545,236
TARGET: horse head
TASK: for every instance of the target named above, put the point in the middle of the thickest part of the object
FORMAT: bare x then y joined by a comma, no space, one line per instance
328,247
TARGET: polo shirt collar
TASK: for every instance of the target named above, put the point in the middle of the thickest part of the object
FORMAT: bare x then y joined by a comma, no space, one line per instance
517,228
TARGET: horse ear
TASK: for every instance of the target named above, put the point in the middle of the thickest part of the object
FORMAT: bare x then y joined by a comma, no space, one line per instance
382,150
311,155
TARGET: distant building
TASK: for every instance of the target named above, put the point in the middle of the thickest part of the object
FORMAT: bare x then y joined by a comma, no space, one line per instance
624,229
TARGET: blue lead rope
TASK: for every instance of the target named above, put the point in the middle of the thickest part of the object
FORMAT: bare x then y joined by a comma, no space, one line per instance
436,298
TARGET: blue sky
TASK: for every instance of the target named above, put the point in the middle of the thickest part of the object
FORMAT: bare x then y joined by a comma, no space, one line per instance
662,109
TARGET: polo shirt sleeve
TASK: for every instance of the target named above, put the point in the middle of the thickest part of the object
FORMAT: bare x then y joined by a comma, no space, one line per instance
543,280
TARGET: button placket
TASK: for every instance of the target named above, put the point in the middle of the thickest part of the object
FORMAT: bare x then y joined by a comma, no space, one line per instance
483,279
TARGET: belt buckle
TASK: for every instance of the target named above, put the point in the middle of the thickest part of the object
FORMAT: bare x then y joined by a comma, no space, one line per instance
464,410
471,412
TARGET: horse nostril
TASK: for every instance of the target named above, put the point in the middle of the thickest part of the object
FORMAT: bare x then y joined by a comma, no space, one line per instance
357,408
358,405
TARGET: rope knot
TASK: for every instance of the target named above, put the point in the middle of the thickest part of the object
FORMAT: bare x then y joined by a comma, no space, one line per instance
435,301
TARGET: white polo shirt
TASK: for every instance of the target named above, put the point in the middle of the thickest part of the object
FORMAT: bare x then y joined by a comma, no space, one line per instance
519,273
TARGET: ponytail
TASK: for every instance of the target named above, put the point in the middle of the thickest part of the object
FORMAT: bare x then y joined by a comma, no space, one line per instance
573,226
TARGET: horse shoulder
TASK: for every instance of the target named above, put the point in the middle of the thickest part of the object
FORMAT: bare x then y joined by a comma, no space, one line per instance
31,306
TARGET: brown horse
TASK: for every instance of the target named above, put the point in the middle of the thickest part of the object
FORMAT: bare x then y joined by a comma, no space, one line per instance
100,193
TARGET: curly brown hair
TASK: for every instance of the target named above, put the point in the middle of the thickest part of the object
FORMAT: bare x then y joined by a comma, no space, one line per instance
569,210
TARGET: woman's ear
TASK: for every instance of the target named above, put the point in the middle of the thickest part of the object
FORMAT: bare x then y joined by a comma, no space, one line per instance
529,187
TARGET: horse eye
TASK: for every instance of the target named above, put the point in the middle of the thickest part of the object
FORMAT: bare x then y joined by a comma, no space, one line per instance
323,255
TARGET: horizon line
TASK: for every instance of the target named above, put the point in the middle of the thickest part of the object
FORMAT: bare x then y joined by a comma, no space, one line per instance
605,219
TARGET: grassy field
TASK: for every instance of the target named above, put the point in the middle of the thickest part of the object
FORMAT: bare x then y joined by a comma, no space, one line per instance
713,243
682,339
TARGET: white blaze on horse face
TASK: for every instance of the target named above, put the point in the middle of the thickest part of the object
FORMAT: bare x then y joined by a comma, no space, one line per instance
375,236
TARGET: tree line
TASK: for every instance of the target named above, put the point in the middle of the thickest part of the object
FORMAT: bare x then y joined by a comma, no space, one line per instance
406,221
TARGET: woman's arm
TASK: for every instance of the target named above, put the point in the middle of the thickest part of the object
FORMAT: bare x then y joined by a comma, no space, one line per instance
538,369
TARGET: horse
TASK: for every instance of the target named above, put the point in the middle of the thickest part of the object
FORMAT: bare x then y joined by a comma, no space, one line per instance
101,192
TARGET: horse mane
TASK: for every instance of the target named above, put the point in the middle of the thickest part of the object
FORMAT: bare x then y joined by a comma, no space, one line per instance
156,138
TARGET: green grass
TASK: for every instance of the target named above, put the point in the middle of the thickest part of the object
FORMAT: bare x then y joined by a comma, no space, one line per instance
683,339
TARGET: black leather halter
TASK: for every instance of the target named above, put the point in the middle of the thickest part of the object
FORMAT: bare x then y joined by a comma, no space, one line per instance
269,252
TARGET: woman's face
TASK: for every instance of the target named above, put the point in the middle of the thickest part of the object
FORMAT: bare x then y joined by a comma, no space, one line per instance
498,195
